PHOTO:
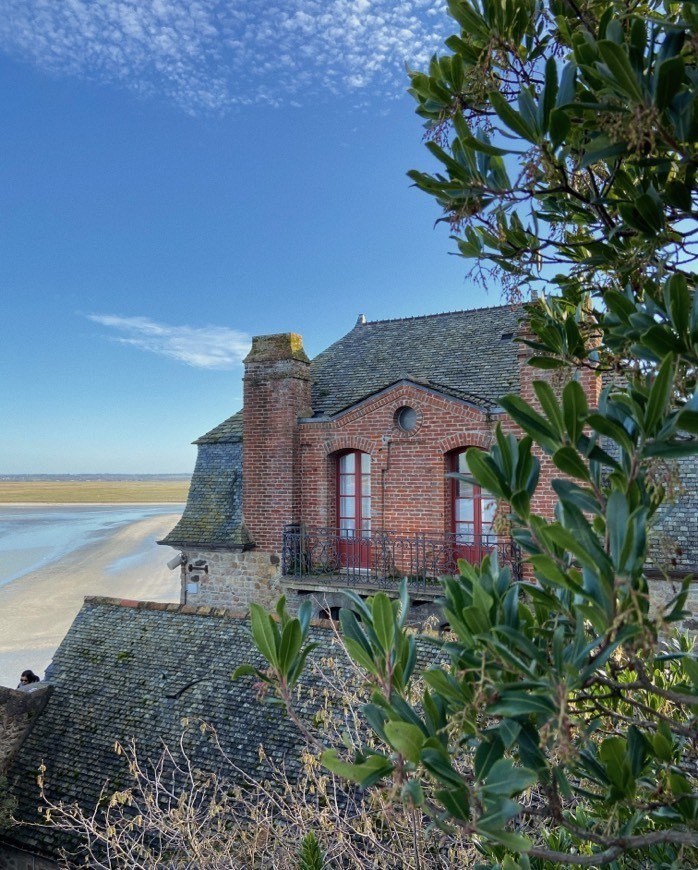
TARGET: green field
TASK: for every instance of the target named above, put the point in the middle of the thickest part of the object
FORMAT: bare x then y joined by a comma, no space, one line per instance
93,491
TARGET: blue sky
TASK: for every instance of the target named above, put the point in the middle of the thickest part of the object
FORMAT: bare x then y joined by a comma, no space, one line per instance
179,175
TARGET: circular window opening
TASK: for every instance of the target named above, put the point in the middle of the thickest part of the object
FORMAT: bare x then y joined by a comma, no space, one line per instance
406,418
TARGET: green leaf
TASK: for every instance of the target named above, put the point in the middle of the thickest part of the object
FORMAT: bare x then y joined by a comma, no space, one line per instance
510,117
488,752
574,409
504,778
438,765
668,80
616,59
456,802
690,667
406,739
549,404
498,812
508,839
366,773
291,639
571,463
383,620
265,634
659,396
486,474
244,671
520,703
531,422
358,654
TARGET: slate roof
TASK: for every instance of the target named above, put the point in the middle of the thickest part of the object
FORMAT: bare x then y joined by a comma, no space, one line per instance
228,431
137,669
213,513
469,354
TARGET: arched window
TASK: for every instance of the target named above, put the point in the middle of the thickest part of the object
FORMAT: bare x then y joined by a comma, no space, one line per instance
354,510
472,513
354,494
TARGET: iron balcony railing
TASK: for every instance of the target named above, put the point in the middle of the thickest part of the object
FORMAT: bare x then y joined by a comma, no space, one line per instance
384,558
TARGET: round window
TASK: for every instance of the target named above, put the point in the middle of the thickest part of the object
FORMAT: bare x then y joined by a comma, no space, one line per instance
406,418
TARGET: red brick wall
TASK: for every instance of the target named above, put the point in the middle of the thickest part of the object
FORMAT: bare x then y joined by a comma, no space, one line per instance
276,393
409,490
290,467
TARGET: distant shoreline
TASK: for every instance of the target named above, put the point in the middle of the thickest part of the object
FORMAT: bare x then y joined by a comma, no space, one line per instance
58,504
93,492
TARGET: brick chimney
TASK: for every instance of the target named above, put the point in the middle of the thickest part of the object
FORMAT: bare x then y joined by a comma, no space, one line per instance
276,394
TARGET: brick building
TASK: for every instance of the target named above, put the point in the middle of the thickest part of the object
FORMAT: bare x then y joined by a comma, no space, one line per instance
336,472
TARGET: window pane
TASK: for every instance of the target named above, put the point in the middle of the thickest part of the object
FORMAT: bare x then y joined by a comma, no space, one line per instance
462,464
347,484
489,508
464,533
347,527
347,508
464,510
463,489
365,484
346,463
366,508
365,463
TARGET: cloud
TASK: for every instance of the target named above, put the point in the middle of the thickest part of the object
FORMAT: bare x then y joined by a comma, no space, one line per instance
215,54
207,347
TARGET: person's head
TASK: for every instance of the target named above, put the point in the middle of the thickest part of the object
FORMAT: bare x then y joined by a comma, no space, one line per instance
28,677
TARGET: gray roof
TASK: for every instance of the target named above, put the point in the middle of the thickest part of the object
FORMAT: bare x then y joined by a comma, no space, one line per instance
137,669
213,513
468,354
229,430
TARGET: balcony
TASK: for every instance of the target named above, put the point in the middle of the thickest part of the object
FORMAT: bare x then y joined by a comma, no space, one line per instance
319,556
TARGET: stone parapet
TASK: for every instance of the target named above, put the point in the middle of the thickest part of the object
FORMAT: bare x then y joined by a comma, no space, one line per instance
19,711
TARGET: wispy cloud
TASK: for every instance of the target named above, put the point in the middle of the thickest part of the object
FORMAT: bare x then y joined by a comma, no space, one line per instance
214,54
206,347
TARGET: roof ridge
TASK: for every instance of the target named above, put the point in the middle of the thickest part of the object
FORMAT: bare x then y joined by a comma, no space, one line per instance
188,609
509,305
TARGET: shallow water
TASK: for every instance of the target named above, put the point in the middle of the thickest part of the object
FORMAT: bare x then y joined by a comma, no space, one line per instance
32,537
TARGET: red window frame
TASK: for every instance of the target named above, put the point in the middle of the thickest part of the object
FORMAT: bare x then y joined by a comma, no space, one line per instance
354,493
472,513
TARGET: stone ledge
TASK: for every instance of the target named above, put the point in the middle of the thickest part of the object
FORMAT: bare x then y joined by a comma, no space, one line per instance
168,607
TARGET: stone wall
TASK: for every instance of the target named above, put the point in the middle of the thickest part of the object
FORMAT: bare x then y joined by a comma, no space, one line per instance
662,592
234,579
19,711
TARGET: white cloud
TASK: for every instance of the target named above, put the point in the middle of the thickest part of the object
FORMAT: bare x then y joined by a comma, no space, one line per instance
206,347
214,54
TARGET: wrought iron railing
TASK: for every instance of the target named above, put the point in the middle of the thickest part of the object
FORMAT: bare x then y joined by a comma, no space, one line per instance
384,558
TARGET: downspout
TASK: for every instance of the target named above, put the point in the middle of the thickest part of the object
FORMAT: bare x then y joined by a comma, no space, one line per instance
387,442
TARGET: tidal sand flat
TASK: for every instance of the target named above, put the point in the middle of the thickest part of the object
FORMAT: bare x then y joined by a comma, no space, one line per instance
38,607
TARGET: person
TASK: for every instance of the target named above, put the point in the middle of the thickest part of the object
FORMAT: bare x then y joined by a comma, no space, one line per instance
26,680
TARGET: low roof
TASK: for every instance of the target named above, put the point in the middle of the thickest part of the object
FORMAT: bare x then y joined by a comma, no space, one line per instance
137,669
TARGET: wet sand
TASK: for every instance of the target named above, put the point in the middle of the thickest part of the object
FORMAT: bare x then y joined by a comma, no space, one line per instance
37,609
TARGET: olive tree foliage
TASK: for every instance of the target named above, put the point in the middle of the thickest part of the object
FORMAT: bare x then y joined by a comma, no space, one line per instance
562,729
